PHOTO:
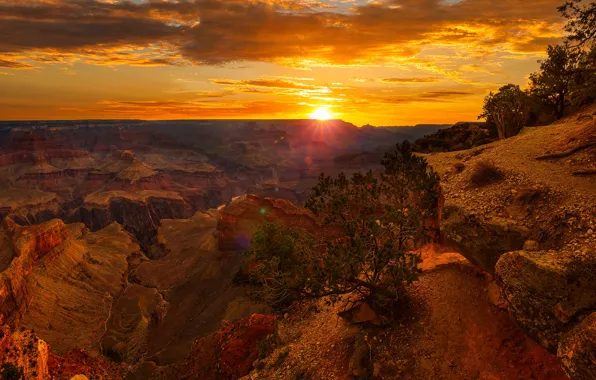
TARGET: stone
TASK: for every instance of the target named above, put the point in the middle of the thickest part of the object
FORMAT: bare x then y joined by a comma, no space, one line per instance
546,292
495,296
481,240
577,350
531,245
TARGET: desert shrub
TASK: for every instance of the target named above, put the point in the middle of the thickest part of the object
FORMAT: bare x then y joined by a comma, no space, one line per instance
370,224
10,372
484,173
459,167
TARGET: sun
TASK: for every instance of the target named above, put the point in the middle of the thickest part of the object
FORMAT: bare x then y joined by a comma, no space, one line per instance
321,114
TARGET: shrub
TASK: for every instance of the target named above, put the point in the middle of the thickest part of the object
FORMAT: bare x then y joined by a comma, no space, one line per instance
370,224
485,173
10,372
459,167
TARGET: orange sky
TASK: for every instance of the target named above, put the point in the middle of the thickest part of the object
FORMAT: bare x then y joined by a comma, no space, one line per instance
391,62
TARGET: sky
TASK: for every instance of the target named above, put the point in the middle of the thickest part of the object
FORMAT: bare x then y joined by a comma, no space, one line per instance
383,62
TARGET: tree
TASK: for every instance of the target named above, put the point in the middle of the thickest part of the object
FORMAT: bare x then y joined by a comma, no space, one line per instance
507,109
370,225
584,79
553,83
581,24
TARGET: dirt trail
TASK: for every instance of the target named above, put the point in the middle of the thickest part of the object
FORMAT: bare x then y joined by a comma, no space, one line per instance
451,331
454,332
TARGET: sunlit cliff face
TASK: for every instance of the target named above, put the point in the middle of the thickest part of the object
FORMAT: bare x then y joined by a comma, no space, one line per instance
378,62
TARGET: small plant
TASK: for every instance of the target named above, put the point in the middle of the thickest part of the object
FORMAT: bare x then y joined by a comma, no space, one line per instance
10,372
459,167
485,173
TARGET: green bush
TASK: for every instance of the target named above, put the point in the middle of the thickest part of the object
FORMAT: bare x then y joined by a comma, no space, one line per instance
369,226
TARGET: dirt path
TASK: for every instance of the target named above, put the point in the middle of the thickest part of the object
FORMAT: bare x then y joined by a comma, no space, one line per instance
451,331
454,332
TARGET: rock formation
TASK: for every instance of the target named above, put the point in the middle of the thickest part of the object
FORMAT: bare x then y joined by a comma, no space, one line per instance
228,353
243,215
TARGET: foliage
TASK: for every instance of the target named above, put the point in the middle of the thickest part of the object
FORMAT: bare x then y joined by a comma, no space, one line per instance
507,109
581,24
370,224
584,80
10,372
554,82
485,173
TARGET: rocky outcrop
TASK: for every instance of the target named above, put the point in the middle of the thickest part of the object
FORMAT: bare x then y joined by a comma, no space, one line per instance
29,245
577,350
128,327
548,291
29,206
27,353
482,240
196,280
240,218
80,365
552,296
140,214
459,137
228,353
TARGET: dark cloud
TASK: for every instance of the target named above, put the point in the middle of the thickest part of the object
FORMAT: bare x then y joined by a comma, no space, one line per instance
15,64
285,31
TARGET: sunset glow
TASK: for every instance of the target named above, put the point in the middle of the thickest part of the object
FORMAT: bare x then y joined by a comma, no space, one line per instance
321,114
421,62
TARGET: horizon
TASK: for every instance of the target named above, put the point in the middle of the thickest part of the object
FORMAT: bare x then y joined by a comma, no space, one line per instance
7,121
385,63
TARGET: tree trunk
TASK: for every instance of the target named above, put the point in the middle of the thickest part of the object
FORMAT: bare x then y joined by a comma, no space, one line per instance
561,106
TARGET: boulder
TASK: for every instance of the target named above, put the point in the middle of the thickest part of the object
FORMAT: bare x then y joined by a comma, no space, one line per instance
577,350
482,240
531,245
548,291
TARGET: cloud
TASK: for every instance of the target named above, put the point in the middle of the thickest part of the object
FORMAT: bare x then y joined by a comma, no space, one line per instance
411,80
274,83
15,64
293,33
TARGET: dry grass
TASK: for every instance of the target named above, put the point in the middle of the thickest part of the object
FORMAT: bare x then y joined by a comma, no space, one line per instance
459,167
485,173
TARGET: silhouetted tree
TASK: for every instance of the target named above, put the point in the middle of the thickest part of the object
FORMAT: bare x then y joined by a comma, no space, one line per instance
370,223
507,109
581,24
553,83
584,79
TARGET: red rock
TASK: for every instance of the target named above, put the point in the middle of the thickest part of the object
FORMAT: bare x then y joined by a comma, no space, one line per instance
227,353
30,244
244,214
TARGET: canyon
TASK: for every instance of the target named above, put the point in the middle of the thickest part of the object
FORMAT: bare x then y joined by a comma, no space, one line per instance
120,242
